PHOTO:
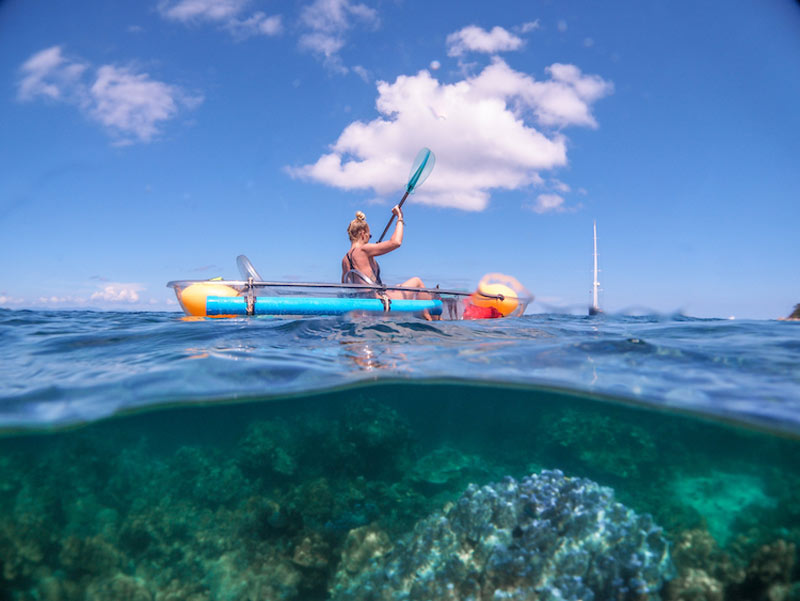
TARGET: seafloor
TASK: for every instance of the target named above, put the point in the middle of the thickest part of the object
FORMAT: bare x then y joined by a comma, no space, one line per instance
303,499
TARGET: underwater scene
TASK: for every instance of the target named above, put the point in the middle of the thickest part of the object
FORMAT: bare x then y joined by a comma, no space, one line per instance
383,488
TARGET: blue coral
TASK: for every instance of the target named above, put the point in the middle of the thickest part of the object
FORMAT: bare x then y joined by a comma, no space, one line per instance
548,537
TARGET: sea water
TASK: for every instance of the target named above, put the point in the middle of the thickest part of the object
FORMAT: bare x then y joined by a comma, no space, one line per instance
146,456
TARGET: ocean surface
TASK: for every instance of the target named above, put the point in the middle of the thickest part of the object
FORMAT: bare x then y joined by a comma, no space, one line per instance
148,456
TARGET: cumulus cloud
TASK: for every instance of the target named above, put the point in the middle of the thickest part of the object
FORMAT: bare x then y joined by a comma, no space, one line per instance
209,10
48,73
118,293
548,203
7,299
494,130
257,24
228,14
327,22
112,293
474,39
61,300
130,105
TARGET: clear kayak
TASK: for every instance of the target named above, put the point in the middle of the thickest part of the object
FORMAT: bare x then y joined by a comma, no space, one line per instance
496,296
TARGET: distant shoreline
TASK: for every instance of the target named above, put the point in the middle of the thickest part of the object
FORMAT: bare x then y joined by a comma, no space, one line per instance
793,316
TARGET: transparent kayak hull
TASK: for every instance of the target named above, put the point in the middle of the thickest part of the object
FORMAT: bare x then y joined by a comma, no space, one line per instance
239,298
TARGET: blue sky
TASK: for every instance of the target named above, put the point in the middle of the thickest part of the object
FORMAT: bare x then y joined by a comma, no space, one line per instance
147,141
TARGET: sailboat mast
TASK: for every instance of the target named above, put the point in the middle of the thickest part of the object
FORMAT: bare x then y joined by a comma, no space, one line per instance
595,283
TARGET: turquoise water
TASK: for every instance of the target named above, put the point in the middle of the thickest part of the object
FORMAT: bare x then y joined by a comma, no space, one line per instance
150,457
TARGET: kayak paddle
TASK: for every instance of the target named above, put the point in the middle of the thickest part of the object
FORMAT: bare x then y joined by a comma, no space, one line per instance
420,170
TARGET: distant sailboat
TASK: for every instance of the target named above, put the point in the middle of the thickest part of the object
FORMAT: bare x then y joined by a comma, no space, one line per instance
595,308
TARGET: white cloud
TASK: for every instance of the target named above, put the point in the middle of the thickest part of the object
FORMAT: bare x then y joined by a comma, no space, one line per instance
205,10
327,23
6,299
258,24
226,13
361,72
335,16
560,186
61,300
475,39
548,203
483,130
48,73
113,293
530,26
118,293
131,105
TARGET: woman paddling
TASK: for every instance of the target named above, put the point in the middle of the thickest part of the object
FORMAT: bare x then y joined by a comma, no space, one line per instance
359,265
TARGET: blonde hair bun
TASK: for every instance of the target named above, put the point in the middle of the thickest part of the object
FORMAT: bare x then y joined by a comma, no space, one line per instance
358,225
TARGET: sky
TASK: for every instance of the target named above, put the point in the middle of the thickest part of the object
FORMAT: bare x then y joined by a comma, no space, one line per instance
156,140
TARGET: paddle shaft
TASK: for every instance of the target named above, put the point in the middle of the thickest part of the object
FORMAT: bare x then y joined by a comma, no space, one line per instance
388,225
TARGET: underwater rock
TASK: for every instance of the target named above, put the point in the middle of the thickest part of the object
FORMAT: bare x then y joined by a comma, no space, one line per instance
266,575
769,573
545,538
311,552
370,440
314,501
706,573
88,556
363,546
206,477
119,588
444,466
694,585
268,449
382,439
25,542
697,550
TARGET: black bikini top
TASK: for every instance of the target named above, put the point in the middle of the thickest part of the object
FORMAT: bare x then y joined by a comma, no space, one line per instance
377,268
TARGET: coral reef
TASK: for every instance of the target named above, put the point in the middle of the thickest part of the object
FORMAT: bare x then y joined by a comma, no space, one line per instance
706,573
547,537
305,501
769,574
703,570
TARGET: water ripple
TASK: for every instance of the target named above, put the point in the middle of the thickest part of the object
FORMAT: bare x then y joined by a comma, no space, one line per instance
64,367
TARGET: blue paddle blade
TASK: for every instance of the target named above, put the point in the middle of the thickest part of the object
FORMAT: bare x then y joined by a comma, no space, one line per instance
421,169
